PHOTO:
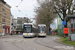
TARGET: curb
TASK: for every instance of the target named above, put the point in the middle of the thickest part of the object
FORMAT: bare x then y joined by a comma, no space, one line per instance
58,41
6,36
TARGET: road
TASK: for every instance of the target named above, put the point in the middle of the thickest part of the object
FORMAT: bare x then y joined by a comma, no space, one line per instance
17,42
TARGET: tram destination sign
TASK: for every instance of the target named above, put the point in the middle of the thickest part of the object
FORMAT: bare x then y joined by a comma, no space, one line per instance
27,26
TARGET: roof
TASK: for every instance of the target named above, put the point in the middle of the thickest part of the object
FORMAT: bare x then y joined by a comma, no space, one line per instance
5,3
28,23
70,16
41,24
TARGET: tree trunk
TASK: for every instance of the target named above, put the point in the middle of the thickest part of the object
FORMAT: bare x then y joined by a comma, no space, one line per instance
48,26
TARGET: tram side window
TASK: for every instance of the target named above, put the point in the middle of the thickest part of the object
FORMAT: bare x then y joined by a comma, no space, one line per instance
34,30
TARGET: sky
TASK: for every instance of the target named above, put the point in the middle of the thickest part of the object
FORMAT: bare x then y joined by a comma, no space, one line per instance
22,8
54,24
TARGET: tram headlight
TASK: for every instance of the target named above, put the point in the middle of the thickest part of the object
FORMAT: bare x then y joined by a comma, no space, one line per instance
23,33
31,33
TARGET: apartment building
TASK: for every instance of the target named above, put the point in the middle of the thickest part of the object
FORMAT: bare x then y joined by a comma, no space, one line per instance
14,24
5,17
17,24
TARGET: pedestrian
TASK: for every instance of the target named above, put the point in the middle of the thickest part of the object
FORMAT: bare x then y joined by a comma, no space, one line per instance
15,33
72,29
51,31
19,33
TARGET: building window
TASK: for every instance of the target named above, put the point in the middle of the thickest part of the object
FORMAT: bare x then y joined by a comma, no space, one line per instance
3,20
3,9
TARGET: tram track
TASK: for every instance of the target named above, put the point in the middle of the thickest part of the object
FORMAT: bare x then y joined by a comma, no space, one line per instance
27,46
44,44
23,44
13,43
55,40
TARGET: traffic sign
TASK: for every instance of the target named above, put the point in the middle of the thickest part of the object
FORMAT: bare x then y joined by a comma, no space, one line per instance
63,22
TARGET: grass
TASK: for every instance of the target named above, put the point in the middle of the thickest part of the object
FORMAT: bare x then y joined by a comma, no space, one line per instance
49,35
66,41
58,35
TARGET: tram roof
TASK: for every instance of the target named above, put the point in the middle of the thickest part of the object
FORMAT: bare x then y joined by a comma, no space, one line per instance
41,24
29,23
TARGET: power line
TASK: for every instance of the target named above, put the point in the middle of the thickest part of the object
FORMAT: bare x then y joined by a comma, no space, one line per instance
19,3
18,8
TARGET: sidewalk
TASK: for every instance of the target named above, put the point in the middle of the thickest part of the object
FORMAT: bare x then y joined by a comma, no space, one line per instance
58,41
6,36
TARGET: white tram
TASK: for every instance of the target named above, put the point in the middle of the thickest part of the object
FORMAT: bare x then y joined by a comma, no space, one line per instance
29,30
42,30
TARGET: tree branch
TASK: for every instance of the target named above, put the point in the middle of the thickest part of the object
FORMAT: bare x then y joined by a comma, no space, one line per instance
58,13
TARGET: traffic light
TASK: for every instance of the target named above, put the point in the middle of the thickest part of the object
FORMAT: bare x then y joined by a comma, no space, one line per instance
11,23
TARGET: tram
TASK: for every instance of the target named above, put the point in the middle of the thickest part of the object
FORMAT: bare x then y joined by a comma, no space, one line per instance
42,30
29,30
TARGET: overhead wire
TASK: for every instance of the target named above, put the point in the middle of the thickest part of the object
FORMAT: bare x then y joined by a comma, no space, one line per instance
19,3
18,8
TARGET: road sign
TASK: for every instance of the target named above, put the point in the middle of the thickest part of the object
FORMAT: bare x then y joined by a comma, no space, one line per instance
63,22
60,27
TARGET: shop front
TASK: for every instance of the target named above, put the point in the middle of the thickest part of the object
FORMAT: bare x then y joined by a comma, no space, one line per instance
7,30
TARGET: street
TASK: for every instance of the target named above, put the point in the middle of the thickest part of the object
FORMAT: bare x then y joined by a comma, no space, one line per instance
17,42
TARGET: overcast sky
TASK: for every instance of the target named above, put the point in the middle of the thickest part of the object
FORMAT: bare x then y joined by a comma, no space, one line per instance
26,8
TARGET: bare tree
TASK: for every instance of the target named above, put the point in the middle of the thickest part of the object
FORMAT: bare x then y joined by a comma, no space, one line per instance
64,7
45,13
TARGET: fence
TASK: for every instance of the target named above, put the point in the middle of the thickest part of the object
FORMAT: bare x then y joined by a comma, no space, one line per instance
60,30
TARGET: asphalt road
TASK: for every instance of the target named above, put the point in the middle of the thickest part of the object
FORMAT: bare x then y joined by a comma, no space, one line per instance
17,42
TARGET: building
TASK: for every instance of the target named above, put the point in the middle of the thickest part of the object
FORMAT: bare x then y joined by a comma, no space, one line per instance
21,21
17,24
11,26
5,17
60,27
14,24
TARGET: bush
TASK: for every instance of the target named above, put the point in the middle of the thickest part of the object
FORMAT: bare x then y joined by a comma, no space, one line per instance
55,30
11,34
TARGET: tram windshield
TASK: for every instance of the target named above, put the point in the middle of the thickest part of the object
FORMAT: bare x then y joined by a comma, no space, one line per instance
27,29
42,29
